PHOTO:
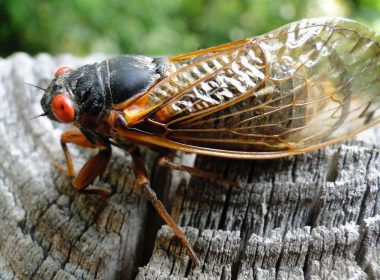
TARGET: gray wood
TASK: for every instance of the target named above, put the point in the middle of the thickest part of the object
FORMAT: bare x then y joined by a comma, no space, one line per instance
311,216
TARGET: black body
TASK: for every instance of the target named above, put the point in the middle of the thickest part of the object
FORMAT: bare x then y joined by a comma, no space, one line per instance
94,88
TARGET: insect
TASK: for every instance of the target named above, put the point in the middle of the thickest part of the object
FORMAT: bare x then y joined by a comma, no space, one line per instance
296,89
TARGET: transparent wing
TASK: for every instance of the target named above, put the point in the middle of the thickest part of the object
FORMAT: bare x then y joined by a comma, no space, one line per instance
300,87
201,80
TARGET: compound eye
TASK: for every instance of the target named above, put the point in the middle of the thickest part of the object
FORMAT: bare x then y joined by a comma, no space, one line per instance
63,108
61,70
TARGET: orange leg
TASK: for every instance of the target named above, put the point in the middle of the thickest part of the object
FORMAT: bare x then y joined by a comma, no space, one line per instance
93,167
165,162
143,182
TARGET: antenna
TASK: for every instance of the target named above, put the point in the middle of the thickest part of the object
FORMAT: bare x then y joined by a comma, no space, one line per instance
36,86
41,115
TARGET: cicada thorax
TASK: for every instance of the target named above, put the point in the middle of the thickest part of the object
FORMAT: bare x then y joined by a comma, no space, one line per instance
127,77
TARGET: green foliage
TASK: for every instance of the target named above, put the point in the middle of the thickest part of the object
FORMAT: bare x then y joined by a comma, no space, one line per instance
154,27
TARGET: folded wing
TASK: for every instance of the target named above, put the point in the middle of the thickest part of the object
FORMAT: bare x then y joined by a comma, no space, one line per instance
305,85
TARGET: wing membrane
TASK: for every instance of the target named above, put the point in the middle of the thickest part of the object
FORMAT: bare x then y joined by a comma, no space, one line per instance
190,75
298,88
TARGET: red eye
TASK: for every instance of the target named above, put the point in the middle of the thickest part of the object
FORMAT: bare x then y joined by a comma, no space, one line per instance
61,70
63,108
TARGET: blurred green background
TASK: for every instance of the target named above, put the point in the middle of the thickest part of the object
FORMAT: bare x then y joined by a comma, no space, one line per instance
156,27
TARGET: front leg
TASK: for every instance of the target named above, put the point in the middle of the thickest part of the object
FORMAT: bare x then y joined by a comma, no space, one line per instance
93,167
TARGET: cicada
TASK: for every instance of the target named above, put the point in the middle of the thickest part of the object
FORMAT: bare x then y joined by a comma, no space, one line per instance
296,89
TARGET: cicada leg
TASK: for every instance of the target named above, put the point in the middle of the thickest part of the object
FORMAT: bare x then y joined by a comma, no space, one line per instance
94,167
165,161
143,182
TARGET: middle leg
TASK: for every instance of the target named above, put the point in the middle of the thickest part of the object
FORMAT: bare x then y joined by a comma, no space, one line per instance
143,182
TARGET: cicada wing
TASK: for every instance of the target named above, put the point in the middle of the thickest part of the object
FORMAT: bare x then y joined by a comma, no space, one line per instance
190,87
313,82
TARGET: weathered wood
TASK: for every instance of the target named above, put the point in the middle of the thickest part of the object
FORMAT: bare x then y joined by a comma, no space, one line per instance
310,216
314,216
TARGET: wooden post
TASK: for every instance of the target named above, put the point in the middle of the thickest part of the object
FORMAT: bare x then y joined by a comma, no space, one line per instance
313,216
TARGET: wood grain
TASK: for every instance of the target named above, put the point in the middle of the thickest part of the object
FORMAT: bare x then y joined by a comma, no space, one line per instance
310,216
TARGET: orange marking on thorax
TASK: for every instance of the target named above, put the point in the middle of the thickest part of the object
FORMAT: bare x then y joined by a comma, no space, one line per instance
139,109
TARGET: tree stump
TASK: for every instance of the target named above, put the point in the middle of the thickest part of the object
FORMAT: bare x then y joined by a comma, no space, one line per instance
310,216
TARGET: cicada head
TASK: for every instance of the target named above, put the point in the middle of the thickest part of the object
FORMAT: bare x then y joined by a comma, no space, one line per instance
58,102
76,96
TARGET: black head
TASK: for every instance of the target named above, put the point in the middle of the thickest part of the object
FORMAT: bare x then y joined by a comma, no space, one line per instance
57,101
74,94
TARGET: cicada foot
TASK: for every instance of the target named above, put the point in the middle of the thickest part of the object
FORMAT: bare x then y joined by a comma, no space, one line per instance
167,163
94,167
144,183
